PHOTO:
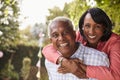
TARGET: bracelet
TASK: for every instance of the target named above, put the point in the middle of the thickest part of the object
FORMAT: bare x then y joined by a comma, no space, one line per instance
60,60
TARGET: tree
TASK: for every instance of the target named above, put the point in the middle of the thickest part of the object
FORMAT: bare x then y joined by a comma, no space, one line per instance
112,8
76,9
37,29
73,10
56,11
9,12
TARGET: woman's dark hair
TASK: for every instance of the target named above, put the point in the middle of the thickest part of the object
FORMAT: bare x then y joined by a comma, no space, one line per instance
100,17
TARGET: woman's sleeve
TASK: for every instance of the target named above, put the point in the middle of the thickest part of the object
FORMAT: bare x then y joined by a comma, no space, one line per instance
78,36
111,73
50,53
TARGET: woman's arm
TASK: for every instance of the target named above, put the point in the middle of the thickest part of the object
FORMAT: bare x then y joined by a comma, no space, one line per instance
50,53
111,73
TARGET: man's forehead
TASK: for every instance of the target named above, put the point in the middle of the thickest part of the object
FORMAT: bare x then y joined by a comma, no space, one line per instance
59,24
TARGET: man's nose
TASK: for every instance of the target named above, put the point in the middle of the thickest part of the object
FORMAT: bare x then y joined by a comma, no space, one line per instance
61,37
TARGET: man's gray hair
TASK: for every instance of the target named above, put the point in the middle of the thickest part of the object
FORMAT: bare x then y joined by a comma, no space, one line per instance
60,19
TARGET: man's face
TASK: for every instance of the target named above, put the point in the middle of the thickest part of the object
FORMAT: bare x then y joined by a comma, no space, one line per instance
63,38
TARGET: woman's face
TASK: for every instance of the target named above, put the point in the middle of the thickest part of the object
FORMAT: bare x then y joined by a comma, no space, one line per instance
92,31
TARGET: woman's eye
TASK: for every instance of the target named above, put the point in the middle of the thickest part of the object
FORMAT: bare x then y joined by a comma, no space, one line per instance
86,26
98,27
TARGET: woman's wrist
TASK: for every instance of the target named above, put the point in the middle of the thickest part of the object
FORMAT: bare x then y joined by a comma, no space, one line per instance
60,59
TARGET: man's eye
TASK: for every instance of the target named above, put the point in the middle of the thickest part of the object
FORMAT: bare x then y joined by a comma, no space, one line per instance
65,32
54,35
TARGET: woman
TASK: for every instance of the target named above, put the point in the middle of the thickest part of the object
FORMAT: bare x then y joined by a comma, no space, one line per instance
96,32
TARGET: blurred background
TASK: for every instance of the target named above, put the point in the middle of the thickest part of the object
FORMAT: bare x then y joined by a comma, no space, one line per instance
23,31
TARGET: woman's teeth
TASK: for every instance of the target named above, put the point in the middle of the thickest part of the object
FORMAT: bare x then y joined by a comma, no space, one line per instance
91,36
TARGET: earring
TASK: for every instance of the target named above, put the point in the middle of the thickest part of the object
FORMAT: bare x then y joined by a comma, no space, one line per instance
82,28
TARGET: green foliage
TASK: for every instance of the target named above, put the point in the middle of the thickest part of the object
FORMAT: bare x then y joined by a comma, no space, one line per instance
112,8
76,9
20,52
23,51
27,38
8,72
72,10
30,35
26,65
8,23
56,11
38,29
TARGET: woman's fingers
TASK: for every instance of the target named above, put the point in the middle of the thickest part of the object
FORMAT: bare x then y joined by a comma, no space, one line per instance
62,70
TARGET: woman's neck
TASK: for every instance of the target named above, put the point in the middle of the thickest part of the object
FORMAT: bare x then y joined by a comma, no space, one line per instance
92,45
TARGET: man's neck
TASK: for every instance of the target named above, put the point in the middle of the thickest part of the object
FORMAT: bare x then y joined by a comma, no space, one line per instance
70,54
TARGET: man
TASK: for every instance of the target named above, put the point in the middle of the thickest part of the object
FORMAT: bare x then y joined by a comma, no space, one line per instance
62,36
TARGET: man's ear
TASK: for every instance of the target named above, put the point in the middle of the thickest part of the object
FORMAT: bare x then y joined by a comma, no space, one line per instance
50,40
75,34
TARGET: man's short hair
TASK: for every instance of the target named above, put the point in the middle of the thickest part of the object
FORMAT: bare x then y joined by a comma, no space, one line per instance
60,19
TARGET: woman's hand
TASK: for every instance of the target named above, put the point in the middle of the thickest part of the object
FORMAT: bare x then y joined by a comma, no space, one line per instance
68,66
74,66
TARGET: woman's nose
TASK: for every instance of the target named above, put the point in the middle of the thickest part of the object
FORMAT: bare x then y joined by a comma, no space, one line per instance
91,31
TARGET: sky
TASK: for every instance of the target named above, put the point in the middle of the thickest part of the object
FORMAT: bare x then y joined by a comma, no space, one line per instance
35,11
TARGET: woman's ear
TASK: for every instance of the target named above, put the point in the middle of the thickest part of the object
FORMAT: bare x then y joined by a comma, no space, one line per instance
82,28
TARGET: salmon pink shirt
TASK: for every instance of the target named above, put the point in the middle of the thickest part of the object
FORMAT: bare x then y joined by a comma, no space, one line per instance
110,47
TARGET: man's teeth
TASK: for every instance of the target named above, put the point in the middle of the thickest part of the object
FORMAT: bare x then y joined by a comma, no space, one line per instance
63,45
92,36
